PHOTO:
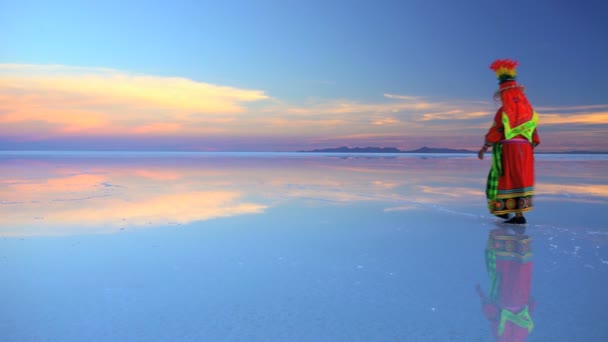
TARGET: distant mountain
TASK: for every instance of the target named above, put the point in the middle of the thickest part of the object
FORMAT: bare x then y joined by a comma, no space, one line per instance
574,152
345,149
424,149
438,150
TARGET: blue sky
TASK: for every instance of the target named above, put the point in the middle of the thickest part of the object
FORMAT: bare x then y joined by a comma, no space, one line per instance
306,60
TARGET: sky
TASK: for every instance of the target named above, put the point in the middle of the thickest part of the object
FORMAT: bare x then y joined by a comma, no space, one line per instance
294,75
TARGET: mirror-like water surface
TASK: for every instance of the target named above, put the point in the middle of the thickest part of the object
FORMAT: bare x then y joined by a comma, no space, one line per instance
295,247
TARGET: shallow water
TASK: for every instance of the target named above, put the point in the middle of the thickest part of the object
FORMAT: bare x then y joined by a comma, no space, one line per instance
286,247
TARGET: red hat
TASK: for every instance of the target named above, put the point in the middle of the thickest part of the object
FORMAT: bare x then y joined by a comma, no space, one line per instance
505,72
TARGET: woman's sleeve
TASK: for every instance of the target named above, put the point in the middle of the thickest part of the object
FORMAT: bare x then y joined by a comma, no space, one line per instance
496,133
535,138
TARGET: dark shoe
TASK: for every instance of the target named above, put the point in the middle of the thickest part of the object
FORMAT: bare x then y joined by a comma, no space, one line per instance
517,220
504,216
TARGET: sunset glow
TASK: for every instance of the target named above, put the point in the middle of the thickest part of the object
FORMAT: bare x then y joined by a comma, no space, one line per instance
202,83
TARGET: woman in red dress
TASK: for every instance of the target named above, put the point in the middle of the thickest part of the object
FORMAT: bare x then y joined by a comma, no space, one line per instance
513,137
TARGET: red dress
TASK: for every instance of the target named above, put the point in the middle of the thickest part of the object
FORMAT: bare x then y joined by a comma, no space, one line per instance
516,181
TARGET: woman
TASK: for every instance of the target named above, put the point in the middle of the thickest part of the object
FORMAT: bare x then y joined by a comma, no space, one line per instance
513,136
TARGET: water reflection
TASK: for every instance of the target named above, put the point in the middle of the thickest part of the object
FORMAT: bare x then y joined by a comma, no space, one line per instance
75,194
58,194
342,248
508,304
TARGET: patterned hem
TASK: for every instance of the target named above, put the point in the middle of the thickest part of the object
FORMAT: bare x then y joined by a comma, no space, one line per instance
513,204
506,195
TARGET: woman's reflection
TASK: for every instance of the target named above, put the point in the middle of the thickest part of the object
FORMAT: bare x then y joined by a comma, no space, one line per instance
508,305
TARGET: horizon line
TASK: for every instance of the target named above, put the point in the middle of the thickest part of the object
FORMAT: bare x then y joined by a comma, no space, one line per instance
320,150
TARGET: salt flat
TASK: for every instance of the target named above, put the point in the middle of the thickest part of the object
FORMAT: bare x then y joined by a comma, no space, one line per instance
285,247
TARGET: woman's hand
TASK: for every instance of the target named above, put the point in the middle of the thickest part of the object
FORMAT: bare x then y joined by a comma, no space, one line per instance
482,151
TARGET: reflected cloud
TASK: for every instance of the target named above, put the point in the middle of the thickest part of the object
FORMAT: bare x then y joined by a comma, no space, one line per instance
401,208
72,195
70,184
68,194
106,213
52,203
452,191
595,190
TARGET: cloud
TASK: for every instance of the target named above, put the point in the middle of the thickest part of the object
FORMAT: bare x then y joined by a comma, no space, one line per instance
455,114
111,101
601,107
42,104
360,137
385,185
401,97
145,90
599,118
397,104
568,115
385,121
401,208
158,127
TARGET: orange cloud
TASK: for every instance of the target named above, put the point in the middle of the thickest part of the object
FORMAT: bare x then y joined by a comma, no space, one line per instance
111,101
592,108
347,106
300,124
117,86
385,121
600,118
20,110
49,101
456,114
